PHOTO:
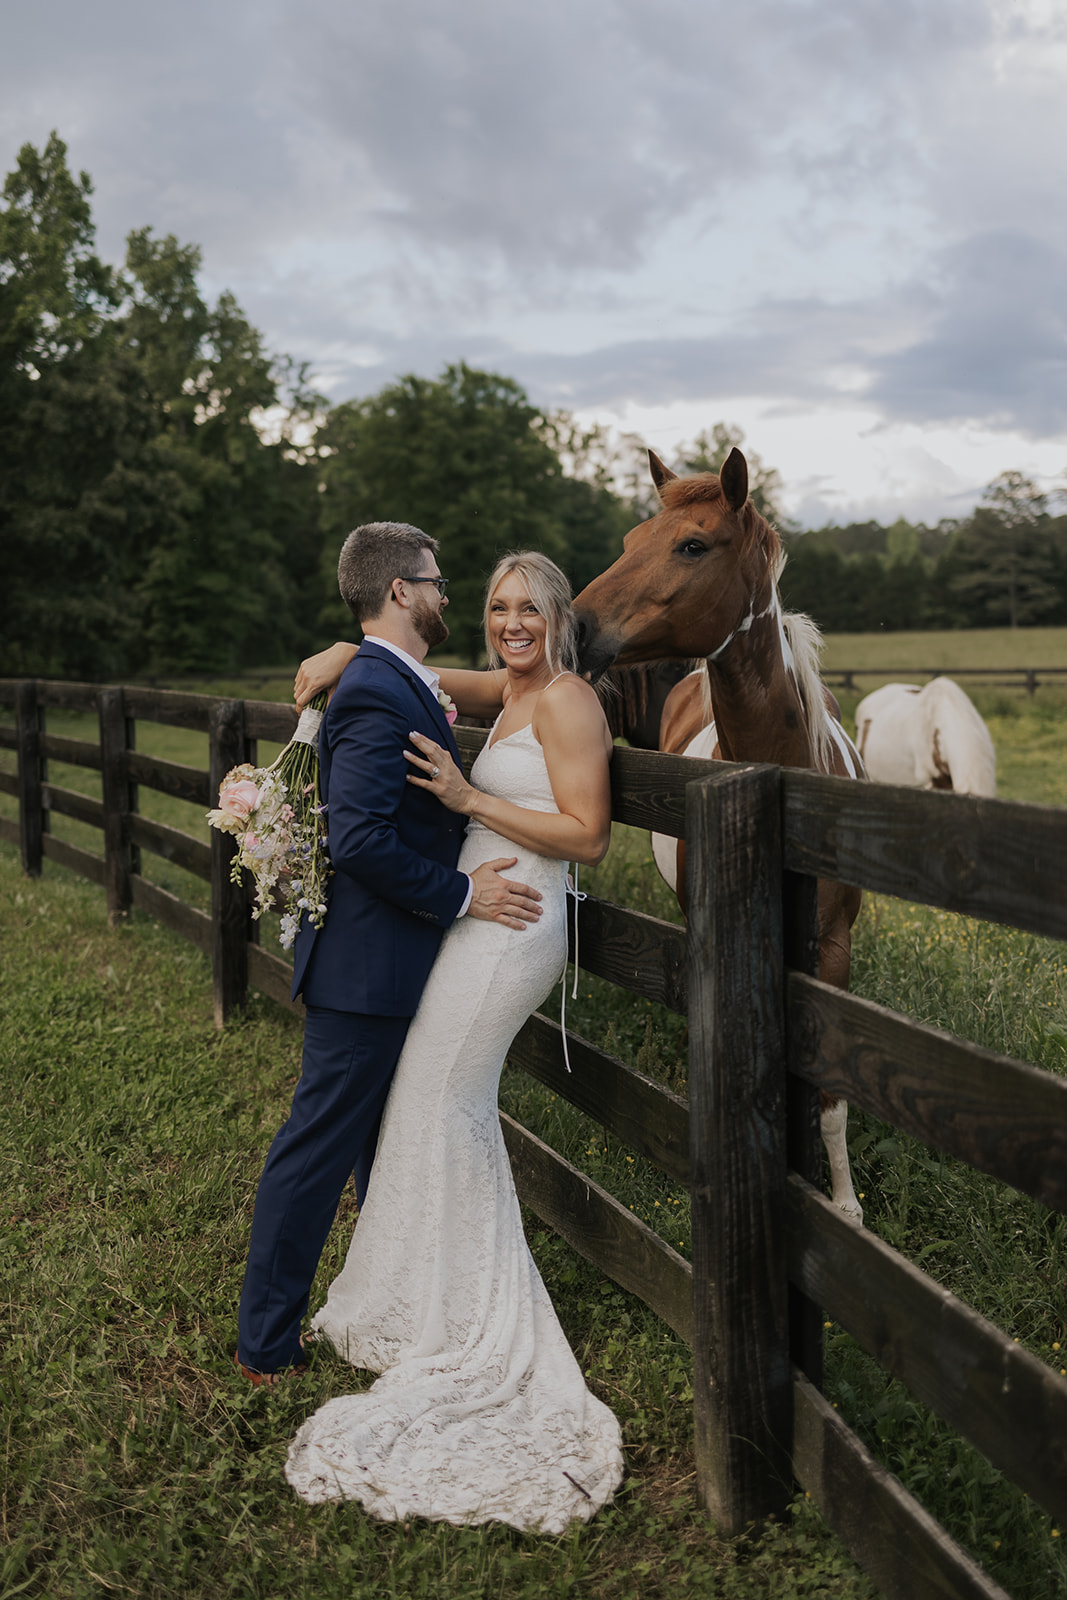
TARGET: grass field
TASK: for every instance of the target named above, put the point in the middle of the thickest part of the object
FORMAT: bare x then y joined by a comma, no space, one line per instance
135,1464
985,648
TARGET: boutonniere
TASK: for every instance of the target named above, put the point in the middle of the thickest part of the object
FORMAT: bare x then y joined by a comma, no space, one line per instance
447,705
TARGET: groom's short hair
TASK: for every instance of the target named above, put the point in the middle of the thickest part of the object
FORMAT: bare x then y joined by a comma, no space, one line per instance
371,557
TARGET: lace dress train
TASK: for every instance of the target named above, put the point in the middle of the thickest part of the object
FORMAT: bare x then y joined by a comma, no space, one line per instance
481,1412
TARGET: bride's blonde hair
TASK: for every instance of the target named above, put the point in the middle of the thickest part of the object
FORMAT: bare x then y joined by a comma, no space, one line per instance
550,592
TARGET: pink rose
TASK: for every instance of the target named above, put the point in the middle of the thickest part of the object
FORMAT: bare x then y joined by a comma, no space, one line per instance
239,799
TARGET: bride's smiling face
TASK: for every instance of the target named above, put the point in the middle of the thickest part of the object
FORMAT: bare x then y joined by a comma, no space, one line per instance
518,631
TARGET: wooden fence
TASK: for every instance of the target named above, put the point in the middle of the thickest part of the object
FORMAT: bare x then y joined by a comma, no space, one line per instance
771,1256
1029,678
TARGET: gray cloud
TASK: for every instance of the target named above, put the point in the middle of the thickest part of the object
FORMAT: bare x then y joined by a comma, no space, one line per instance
559,135
994,345
555,136
398,184
983,338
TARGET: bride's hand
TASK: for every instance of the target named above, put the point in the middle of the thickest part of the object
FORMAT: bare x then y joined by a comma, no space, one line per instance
322,671
439,773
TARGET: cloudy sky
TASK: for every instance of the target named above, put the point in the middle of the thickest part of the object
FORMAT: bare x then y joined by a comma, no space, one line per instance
839,224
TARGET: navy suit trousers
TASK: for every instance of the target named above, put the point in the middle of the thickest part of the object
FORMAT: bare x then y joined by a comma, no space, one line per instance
348,1065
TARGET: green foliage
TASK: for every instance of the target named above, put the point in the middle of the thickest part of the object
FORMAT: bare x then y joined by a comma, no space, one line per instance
173,496
147,521
1008,558
71,417
709,450
1005,564
467,458
232,572
864,577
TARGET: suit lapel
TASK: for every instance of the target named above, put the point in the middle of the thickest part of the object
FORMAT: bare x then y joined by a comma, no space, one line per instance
445,734
426,697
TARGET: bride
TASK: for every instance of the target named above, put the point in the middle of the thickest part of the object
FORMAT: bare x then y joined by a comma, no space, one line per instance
480,1412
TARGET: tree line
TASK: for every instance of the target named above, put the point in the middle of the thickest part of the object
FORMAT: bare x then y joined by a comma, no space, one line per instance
173,495
1003,566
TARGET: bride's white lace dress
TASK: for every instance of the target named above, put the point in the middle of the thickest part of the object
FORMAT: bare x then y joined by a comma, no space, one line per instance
481,1412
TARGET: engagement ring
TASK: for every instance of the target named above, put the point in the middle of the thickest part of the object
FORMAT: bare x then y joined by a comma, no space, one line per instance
435,772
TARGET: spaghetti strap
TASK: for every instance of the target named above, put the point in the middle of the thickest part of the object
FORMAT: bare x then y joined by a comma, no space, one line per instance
493,740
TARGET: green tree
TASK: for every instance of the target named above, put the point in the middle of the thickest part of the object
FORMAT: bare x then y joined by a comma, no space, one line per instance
1005,565
146,519
709,450
232,575
861,578
73,419
464,457
593,519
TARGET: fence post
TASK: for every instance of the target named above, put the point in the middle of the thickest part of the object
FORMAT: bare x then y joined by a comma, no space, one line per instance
119,801
229,901
742,1379
32,822
800,921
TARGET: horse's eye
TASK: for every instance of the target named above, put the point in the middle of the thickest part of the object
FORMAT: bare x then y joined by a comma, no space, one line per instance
692,547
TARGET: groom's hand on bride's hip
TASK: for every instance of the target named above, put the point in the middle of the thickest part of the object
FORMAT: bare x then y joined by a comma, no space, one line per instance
497,899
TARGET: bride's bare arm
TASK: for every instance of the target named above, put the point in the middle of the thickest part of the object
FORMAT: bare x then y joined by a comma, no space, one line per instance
476,694
574,737
322,671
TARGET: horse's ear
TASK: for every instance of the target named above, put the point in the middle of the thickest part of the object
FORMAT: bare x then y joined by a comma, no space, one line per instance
660,473
733,476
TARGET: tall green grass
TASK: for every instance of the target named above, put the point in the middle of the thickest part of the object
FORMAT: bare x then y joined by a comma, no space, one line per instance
135,1462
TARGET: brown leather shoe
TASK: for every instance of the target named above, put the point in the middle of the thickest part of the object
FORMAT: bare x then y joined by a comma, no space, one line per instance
268,1380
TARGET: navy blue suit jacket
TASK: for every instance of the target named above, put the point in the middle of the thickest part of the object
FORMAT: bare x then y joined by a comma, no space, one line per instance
393,846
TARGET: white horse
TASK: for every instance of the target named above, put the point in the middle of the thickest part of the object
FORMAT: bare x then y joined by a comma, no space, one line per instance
929,738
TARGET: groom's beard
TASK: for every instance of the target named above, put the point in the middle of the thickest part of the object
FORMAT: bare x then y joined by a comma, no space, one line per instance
429,624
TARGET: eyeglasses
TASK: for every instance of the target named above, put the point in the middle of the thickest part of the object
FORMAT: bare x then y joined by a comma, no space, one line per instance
440,584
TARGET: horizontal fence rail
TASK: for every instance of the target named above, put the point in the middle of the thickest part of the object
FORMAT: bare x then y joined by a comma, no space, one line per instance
1000,1116
996,677
956,1362
762,1234
999,860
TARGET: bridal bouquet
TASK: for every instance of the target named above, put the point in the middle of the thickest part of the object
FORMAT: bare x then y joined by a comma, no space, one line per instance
279,822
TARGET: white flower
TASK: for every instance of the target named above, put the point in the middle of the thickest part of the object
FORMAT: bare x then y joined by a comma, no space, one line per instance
448,706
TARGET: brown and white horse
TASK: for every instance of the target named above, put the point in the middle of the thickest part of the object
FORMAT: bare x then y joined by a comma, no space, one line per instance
700,579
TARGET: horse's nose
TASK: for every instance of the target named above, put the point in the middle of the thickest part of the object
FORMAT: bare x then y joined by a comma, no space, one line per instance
595,651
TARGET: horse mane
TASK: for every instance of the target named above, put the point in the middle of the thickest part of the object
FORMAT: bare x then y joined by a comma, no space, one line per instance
801,634
632,694
805,641
623,695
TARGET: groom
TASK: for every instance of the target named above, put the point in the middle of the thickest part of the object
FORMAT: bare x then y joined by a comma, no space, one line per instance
395,890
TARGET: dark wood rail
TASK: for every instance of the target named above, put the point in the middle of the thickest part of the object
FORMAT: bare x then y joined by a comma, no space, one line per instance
1029,678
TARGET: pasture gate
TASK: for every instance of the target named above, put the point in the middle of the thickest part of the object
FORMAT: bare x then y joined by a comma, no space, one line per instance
770,1254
